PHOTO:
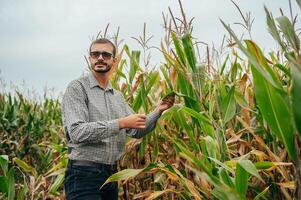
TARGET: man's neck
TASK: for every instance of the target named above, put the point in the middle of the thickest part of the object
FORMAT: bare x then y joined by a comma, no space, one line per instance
102,79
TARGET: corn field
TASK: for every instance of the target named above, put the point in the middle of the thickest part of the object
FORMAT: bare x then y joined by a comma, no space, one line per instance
233,133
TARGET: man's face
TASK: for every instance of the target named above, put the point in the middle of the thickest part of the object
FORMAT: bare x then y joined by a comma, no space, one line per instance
101,57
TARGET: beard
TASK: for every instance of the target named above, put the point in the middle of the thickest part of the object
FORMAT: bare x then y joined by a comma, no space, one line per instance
101,69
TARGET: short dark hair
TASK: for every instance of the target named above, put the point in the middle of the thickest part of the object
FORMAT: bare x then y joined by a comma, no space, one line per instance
104,41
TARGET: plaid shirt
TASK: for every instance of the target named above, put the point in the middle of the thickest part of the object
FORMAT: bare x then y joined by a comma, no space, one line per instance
90,118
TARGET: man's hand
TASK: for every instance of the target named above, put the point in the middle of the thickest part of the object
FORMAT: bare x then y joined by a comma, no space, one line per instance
166,103
136,121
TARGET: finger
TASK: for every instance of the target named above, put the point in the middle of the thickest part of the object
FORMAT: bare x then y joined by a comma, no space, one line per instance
169,98
141,123
172,102
168,102
142,116
141,127
141,120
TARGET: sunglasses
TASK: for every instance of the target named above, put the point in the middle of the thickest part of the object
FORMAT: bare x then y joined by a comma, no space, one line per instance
104,54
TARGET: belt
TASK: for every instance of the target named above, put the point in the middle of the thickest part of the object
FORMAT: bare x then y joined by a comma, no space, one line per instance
92,164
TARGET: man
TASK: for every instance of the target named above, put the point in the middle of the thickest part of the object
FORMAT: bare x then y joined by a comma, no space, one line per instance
96,120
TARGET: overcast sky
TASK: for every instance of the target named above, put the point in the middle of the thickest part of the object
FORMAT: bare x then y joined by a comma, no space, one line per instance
44,42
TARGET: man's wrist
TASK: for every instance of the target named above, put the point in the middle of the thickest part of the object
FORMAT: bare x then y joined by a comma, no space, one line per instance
159,112
121,123
113,126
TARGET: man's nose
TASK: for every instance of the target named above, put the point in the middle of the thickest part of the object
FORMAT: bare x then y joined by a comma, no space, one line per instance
100,57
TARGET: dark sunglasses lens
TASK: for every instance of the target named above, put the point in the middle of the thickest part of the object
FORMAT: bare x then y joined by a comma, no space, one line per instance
95,54
106,55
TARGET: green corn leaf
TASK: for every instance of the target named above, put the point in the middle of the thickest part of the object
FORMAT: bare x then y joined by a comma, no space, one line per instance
189,51
222,165
250,168
205,157
22,193
224,64
137,103
190,102
255,51
166,76
234,70
26,167
197,115
153,78
4,163
208,129
181,121
120,69
3,185
192,139
184,85
171,61
296,96
226,194
239,98
128,174
228,106
155,151
224,176
134,64
252,59
142,148
11,184
273,103
178,47
289,32
299,3
56,167
264,164
143,93
57,147
262,194
283,69
127,50
241,180
57,183
274,106
186,153
273,28
212,148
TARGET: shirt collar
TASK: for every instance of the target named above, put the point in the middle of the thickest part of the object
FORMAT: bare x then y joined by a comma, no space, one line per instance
94,83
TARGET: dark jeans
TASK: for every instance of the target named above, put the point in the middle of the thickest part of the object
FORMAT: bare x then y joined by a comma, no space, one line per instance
84,182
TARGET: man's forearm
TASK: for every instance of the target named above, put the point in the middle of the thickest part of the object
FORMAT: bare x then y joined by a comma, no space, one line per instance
151,120
92,132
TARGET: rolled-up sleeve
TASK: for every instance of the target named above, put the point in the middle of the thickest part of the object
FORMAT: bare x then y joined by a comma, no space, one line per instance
151,120
76,118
